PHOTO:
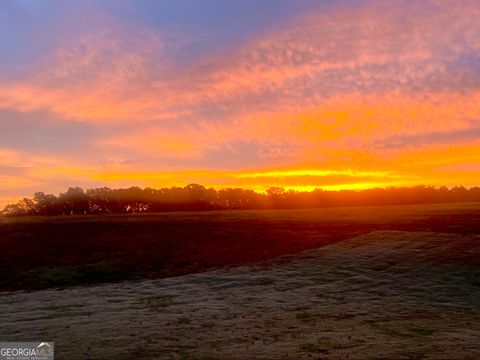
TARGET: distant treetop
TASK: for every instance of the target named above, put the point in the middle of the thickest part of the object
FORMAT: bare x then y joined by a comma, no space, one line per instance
196,197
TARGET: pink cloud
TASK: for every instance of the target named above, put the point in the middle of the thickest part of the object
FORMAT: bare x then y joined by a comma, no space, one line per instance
323,90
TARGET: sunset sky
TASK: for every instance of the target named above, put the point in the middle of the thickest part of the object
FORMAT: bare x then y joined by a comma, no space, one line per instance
238,93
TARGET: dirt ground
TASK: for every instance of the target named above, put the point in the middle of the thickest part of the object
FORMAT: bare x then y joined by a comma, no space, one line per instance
382,295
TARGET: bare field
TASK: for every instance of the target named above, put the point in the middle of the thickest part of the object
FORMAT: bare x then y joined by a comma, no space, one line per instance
385,293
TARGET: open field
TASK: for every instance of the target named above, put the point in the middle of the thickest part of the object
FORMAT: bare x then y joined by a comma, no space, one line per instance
42,252
353,283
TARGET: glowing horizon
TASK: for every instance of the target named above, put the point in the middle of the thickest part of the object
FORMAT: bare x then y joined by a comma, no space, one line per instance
344,94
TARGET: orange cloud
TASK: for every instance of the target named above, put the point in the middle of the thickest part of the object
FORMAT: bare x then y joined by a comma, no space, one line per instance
380,93
114,75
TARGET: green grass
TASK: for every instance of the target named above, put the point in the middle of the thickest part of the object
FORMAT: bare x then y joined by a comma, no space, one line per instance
420,331
303,315
326,341
406,332
183,354
184,320
157,303
64,276
312,348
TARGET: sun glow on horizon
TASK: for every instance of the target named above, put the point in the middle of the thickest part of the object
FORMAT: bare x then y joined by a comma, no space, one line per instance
344,96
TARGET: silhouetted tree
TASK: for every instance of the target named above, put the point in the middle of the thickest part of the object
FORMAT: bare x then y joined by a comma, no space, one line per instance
196,197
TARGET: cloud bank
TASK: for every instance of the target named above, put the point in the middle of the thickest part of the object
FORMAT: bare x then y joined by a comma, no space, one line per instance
355,87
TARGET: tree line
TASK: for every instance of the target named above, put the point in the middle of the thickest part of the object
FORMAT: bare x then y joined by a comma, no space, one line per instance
197,197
